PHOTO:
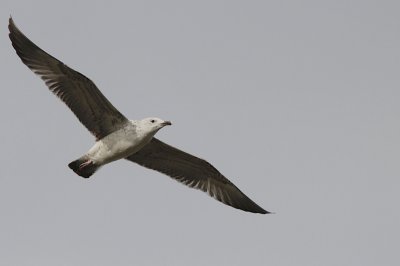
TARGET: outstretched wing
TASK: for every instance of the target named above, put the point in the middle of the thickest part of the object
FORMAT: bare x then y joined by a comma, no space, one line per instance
78,92
193,172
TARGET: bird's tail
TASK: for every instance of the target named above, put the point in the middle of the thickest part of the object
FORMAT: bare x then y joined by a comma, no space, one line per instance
83,166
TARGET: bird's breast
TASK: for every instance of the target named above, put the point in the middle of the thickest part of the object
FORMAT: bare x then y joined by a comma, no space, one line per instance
117,145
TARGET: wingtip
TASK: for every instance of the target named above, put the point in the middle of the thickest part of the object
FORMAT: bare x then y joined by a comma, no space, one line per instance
11,25
10,21
267,212
252,209
13,33
248,205
262,211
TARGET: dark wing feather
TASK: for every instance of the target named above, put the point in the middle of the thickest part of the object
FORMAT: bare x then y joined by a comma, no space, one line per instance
78,92
193,172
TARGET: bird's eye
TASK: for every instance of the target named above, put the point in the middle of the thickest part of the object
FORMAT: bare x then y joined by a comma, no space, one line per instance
152,120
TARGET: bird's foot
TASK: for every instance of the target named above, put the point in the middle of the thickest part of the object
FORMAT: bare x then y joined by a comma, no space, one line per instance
84,164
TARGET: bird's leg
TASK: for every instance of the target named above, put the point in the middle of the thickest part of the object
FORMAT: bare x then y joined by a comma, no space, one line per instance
84,164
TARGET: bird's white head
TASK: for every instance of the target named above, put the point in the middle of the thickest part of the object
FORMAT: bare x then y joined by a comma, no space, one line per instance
152,124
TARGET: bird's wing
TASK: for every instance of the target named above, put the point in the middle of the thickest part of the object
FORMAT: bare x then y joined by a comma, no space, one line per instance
193,172
78,92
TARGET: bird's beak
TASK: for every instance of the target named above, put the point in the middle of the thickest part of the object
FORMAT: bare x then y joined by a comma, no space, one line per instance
166,123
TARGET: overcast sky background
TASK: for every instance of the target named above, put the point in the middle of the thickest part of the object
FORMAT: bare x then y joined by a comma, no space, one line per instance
296,102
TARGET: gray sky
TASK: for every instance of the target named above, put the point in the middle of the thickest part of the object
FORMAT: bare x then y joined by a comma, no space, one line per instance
296,102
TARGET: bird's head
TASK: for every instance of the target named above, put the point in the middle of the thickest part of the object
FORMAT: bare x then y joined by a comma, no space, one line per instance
153,124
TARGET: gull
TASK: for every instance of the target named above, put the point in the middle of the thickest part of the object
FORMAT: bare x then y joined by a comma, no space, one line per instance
119,138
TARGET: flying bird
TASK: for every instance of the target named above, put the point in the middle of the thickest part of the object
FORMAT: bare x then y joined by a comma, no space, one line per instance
120,138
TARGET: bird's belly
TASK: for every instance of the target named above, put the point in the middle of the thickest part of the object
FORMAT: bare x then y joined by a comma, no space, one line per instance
116,146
